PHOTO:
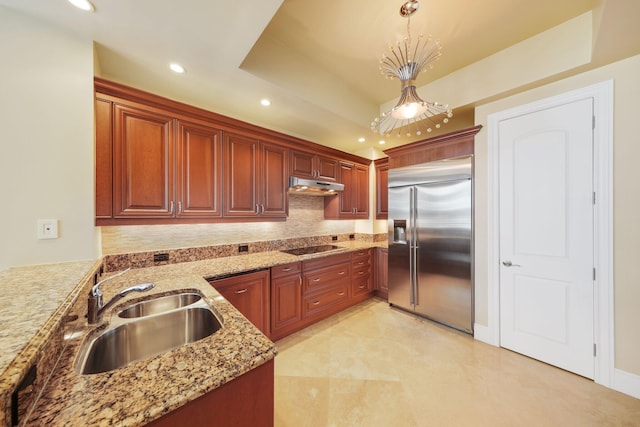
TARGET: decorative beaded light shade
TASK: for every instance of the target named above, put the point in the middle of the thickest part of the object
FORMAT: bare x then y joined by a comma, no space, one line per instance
405,62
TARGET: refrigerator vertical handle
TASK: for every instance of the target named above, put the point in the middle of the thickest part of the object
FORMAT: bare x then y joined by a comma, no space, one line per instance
414,249
411,240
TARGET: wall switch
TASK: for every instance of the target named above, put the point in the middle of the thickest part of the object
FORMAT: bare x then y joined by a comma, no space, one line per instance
334,238
47,229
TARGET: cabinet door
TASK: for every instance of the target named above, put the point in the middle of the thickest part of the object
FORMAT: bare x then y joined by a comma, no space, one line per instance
274,194
361,192
144,158
240,155
286,304
382,193
199,174
249,293
302,164
326,168
382,278
346,206
104,159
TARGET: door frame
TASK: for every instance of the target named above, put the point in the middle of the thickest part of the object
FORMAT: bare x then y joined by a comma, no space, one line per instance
603,316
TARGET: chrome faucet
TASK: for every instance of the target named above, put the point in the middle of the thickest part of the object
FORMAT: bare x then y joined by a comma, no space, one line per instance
95,306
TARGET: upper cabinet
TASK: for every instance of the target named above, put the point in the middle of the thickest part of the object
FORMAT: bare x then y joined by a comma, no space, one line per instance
143,163
311,166
382,190
159,161
255,178
353,202
199,166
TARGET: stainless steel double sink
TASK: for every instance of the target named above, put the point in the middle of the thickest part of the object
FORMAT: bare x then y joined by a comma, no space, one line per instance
145,329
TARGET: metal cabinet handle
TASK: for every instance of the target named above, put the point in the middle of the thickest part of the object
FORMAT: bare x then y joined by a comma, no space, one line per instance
316,302
171,207
342,272
241,291
361,286
316,280
180,207
360,272
510,264
340,293
286,269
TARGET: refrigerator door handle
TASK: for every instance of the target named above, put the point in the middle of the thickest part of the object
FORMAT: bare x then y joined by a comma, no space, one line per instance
414,250
411,242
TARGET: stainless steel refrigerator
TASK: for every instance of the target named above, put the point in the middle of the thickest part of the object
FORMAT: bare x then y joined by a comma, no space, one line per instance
430,241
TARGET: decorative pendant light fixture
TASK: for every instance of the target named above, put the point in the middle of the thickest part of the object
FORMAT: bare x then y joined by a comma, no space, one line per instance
405,62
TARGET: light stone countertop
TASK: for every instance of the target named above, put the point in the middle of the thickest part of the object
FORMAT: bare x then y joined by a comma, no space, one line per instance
160,384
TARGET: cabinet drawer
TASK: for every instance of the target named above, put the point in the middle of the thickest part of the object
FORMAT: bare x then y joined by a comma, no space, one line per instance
317,280
361,255
323,301
327,261
286,269
360,273
361,286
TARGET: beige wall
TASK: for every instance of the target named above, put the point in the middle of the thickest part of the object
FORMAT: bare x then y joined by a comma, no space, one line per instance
46,166
626,198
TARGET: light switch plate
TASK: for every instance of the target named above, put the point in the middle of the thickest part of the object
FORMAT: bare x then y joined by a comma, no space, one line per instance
47,229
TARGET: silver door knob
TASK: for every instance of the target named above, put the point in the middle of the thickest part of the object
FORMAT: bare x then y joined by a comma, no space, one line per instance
510,264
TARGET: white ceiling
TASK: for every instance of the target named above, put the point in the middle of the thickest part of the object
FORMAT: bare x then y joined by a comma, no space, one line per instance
316,60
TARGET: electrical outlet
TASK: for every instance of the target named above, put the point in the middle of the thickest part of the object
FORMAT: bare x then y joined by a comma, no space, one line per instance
334,238
352,236
161,257
243,248
47,229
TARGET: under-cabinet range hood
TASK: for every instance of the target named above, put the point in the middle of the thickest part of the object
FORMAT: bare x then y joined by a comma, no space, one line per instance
313,187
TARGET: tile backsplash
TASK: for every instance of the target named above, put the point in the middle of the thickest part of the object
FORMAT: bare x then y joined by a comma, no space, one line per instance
306,219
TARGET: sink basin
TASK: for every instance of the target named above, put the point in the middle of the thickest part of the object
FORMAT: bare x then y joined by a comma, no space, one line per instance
159,305
145,337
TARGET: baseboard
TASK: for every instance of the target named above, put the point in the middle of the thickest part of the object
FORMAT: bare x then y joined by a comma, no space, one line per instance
626,382
481,333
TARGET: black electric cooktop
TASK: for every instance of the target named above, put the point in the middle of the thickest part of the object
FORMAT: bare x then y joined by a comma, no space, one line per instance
311,250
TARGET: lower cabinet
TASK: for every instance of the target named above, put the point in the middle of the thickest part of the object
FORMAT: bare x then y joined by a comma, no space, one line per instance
249,293
286,299
361,277
382,278
246,401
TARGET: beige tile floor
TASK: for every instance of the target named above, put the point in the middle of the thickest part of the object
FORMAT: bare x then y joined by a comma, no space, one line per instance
377,366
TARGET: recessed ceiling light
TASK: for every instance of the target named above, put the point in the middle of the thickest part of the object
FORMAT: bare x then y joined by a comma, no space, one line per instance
83,4
265,102
361,139
381,142
176,68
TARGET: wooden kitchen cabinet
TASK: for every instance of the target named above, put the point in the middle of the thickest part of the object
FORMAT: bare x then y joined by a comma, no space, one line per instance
150,165
311,166
199,171
353,202
249,293
382,188
104,158
325,286
246,401
361,280
143,162
255,178
286,299
381,276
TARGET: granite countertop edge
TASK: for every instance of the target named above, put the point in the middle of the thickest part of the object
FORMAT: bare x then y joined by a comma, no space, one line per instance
155,386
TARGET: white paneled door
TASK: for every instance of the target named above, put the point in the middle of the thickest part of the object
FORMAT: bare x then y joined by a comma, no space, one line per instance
546,236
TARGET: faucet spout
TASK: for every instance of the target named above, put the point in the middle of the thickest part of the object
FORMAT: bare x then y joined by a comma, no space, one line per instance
95,305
